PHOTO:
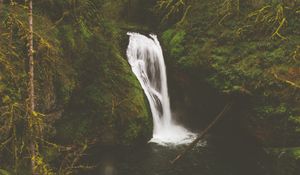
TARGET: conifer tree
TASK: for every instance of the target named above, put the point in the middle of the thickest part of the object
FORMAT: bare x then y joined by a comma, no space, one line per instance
31,94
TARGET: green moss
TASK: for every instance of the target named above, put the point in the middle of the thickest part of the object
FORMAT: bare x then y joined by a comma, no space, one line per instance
108,98
173,40
286,160
238,57
4,172
272,111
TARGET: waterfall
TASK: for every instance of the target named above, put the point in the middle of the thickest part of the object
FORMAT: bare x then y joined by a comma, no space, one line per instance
147,62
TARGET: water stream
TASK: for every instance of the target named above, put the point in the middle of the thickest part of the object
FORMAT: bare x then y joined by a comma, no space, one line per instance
147,62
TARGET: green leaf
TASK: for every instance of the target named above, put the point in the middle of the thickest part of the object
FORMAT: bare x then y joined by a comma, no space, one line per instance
4,172
34,113
5,99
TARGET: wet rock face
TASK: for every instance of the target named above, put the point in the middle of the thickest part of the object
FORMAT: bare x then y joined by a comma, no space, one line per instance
115,114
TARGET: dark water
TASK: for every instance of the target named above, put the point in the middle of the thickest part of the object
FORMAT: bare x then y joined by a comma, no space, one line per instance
152,159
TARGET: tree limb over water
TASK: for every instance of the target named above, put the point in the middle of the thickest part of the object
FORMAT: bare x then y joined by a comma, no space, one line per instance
203,133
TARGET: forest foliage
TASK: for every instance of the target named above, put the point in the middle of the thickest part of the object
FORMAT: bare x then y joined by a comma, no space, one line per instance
86,93
245,48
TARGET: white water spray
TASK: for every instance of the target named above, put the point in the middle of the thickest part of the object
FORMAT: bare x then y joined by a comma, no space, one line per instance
147,62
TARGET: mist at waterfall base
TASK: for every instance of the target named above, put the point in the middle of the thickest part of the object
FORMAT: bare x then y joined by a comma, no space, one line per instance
147,62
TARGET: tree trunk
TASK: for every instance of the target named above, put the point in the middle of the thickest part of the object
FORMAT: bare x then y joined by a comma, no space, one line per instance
1,4
31,95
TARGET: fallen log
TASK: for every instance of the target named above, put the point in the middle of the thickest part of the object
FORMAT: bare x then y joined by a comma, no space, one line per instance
203,133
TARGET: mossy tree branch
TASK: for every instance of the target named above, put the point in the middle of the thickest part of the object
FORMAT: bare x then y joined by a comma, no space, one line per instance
293,84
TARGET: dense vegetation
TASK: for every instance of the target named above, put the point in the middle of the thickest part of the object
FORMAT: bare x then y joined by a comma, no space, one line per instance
85,92
247,50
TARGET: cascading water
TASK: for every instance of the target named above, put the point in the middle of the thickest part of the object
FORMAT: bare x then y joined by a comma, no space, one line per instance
147,62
